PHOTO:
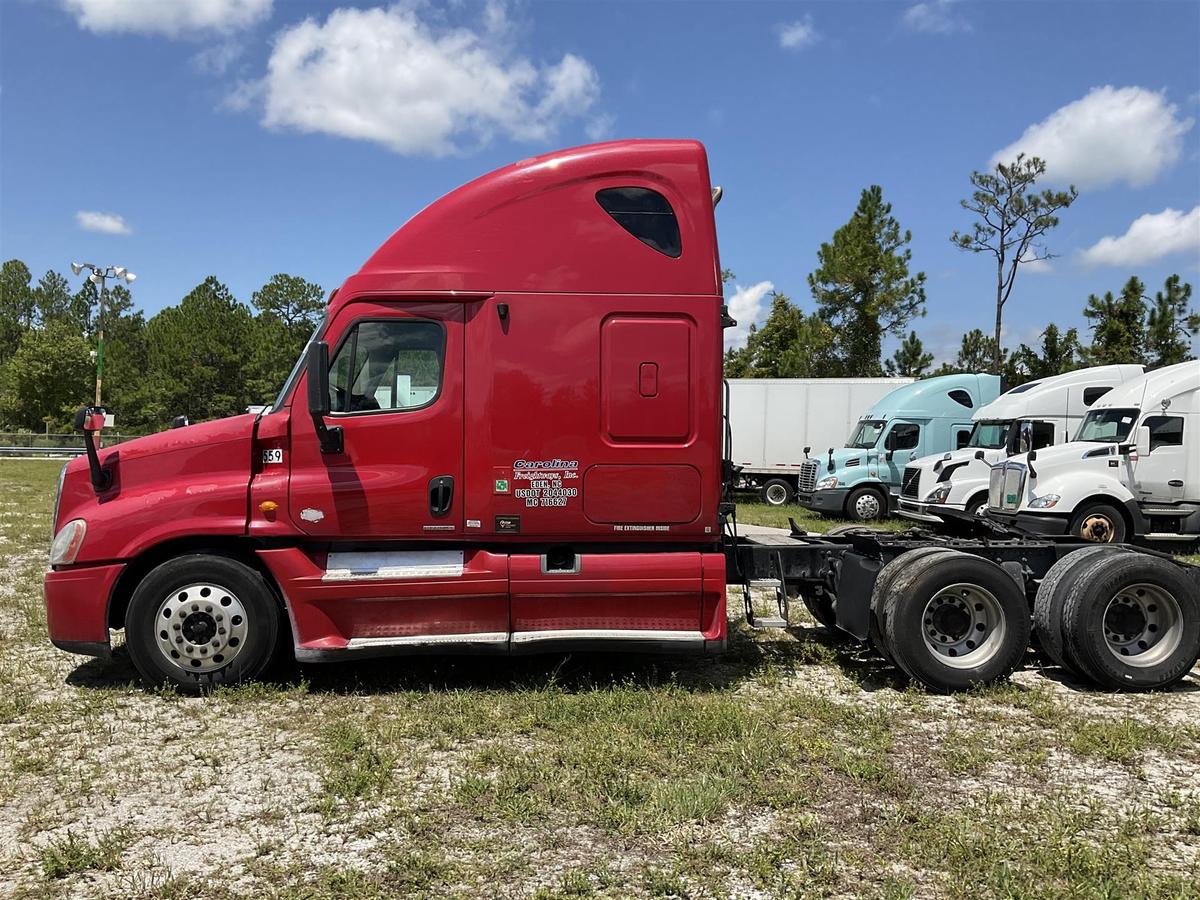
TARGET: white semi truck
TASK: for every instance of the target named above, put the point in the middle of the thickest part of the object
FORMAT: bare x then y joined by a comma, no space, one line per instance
1133,470
1031,416
776,422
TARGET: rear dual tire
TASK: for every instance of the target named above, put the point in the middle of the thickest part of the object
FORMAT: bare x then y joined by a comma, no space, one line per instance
1132,622
952,621
777,492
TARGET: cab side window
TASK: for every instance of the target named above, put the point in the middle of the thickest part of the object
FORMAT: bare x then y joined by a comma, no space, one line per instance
387,364
1165,431
904,436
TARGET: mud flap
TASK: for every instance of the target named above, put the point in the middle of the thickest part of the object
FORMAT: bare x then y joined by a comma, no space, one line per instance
855,584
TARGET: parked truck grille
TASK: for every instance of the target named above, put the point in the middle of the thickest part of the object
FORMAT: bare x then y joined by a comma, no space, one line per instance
1006,485
808,475
910,485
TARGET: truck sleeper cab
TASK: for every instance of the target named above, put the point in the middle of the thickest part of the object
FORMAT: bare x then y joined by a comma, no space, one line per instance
1132,471
1031,416
861,480
505,437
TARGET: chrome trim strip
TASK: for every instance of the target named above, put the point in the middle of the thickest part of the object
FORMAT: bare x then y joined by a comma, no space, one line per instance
428,640
615,634
393,565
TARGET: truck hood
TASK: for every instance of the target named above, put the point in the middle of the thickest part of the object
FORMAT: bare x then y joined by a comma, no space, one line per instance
844,459
206,434
176,483
1070,454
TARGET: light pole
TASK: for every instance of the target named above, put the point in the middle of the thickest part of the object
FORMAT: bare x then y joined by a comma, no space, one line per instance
99,276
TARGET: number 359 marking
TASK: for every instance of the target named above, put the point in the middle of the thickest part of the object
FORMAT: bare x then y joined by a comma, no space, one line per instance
272,456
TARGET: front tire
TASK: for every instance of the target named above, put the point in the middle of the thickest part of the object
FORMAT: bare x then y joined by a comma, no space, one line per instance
199,620
1101,523
776,492
866,504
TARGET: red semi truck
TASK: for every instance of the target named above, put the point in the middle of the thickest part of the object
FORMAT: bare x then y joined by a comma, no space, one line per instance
507,436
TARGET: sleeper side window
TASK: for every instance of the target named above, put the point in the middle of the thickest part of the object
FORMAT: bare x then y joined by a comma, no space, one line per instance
1165,431
646,215
387,364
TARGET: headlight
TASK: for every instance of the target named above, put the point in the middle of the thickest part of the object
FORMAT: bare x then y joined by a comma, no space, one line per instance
939,494
67,542
1046,501
826,483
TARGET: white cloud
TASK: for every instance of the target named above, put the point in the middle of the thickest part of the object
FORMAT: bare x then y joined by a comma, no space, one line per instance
105,223
799,34
1112,134
1037,266
386,76
217,58
746,305
934,17
1150,237
172,18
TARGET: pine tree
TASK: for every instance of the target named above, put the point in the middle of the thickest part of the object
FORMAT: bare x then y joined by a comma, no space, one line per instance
862,284
790,344
977,353
1013,218
1172,322
1118,326
910,359
1058,353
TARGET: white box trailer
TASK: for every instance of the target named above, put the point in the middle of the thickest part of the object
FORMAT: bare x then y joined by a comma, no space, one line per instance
772,420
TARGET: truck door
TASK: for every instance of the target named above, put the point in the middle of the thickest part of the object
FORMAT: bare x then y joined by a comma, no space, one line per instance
1160,474
903,440
396,391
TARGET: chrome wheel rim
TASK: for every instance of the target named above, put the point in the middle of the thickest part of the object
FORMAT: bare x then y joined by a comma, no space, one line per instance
963,625
201,627
867,506
776,495
1143,625
1098,527
981,510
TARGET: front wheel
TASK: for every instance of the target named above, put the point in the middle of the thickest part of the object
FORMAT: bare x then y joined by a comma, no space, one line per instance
200,620
866,504
776,492
1101,523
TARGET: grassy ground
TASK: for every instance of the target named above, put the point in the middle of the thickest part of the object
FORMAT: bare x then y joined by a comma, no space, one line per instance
794,765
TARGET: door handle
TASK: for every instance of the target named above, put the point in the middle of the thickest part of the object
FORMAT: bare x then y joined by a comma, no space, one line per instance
1175,482
441,495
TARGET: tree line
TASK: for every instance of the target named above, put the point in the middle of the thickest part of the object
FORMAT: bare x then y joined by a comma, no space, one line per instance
864,291
208,356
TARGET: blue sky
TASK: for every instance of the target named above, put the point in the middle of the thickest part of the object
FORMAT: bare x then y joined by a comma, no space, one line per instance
246,137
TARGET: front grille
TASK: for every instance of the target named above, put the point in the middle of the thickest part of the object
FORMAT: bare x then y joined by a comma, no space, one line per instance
1006,486
910,485
808,475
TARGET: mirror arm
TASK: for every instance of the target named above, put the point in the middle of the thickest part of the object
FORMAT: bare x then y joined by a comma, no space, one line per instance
85,420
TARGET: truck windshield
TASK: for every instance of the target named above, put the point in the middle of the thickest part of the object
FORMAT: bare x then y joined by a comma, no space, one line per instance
990,435
1107,426
295,373
866,435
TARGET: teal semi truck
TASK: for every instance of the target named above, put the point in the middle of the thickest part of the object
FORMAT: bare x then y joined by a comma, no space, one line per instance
862,480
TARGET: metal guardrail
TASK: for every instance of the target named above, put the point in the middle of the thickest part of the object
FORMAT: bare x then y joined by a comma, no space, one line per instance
25,443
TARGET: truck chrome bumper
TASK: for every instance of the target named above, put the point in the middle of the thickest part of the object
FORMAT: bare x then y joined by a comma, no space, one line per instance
77,607
1049,525
919,512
